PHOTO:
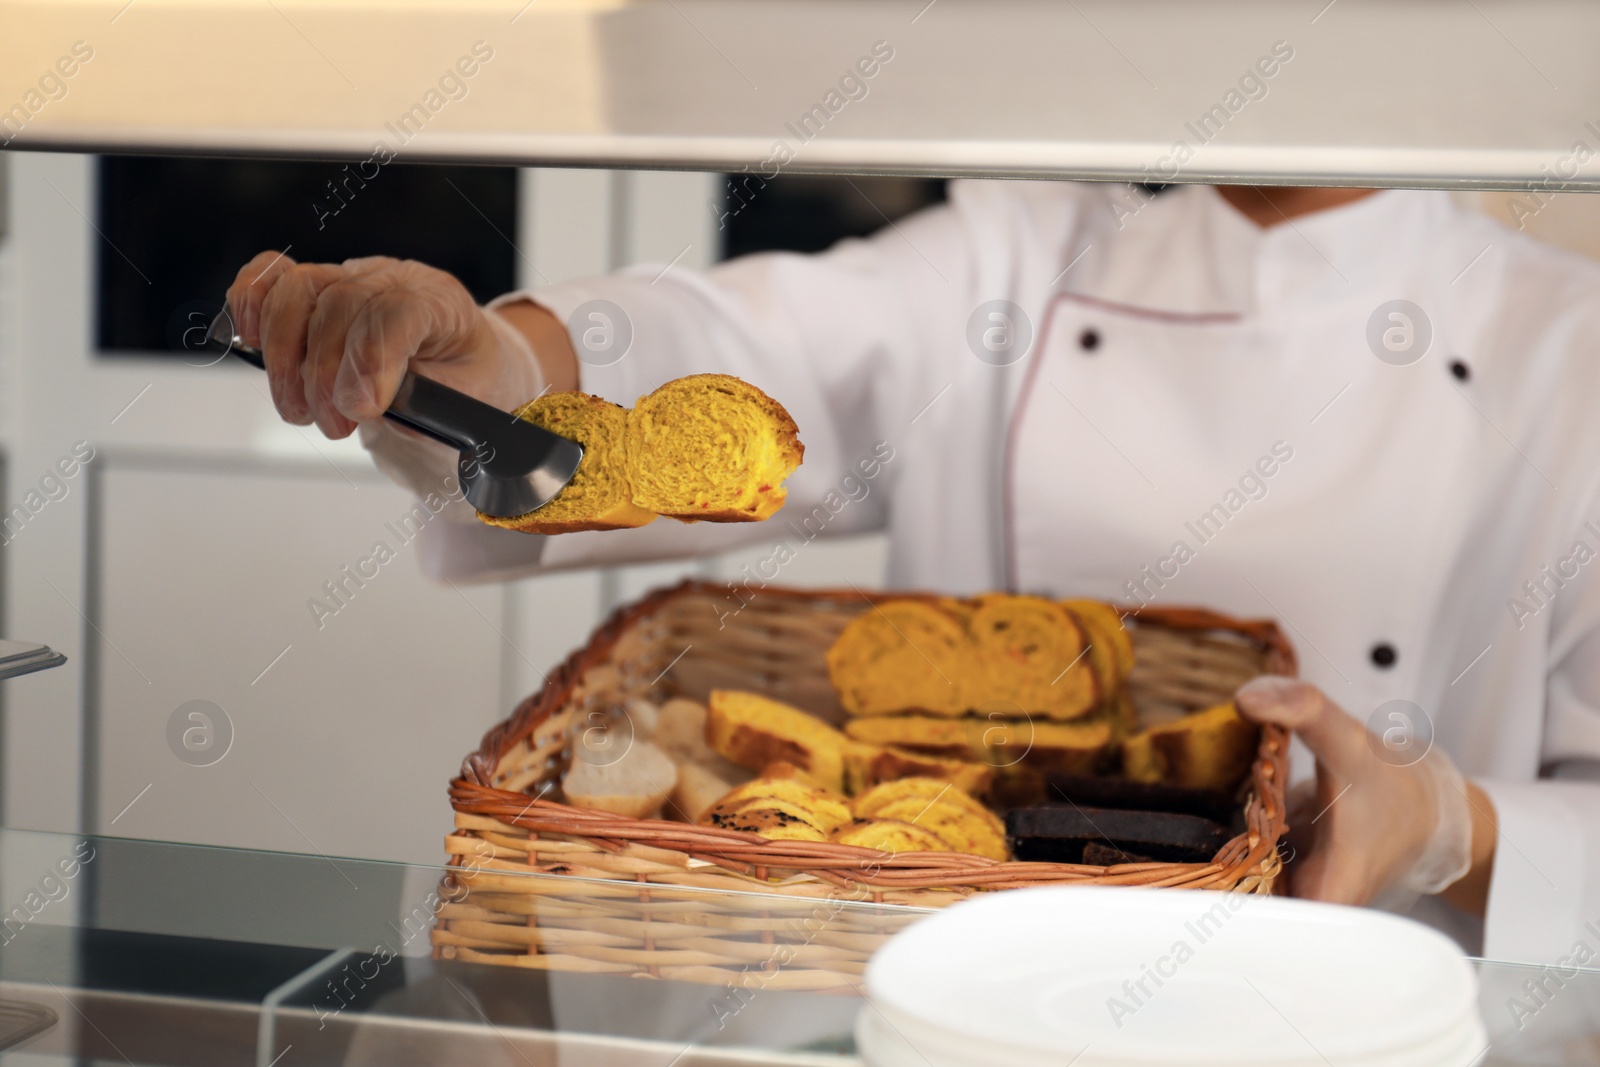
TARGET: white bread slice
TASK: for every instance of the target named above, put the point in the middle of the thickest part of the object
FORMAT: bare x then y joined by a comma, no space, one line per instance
698,788
634,785
644,716
680,732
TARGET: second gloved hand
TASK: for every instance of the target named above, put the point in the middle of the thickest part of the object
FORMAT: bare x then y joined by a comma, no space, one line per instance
1382,832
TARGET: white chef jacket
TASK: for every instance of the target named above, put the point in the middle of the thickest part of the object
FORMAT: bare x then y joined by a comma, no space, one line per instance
1195,415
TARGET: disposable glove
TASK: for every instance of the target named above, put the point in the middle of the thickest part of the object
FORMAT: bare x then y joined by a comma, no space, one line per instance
1379,832
339,337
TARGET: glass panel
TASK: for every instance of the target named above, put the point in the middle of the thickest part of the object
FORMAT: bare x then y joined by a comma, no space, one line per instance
178,954
333,957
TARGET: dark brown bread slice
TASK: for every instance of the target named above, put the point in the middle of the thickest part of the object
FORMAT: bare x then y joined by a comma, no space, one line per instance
1125,795
1057,833
1017,786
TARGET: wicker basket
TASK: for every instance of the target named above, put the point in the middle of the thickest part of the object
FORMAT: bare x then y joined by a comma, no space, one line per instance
686,641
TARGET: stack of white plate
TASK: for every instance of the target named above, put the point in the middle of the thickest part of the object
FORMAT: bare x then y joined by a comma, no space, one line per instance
1105,977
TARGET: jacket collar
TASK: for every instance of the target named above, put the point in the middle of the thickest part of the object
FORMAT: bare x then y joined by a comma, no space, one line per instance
1188,252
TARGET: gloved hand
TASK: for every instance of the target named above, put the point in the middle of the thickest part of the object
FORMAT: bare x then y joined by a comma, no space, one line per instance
339,337
1382,833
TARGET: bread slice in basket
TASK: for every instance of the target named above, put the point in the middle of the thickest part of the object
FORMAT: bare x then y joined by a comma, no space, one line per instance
1031,656
907,815
1110,645
1211,749
634,784
1080,747
891,835
867,765
755,731
902,654
1017,656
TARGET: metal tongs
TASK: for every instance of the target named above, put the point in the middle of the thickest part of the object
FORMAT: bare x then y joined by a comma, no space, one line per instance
508,467
25,657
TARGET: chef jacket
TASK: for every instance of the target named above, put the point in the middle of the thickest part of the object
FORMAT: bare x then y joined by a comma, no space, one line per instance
1375,424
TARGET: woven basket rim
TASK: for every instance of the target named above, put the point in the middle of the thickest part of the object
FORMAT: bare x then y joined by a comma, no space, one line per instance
847,865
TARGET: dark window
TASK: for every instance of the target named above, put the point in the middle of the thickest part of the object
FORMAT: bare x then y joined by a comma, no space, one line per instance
175,231
801,213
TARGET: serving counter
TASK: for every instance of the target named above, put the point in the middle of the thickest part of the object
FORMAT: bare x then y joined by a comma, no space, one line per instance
149,953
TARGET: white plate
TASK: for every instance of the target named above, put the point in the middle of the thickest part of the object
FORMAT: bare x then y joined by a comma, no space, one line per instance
1138,976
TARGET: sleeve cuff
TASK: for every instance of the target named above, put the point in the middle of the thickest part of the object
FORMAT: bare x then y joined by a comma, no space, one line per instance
477,553
1537,890
426,468
616,379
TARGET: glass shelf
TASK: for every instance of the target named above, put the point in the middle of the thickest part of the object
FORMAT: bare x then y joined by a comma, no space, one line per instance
153,953
1489,94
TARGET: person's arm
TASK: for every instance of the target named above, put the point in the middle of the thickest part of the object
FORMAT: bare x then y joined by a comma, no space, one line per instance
842,339
1544,893
547,337
831,336
525,332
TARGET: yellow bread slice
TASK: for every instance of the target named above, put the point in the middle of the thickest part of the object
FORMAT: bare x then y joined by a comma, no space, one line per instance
599,497
902,655
755,814
755,732
711,447
1111,647
871,805
824,810
1139,761
961,610
681,733
945,738
1074,747
1101,656
960,829
1031,655
783,769
1210,749
774,819
1124,716
791,832
1080,747
865,766
891,835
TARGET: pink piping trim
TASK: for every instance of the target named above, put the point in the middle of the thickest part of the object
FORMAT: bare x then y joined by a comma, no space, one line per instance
1013,429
